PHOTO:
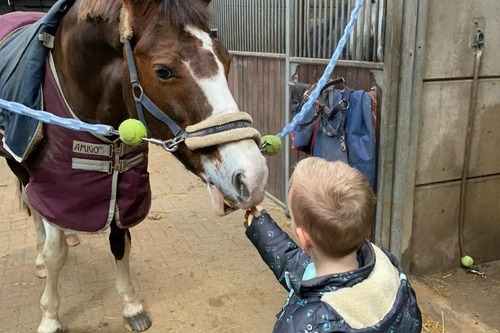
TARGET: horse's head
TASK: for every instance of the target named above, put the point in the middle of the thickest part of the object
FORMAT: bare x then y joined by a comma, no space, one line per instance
182,70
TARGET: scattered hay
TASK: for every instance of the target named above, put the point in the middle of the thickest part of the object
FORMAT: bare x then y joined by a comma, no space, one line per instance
430,325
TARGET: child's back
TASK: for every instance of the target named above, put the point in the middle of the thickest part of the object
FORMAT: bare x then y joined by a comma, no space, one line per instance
338,280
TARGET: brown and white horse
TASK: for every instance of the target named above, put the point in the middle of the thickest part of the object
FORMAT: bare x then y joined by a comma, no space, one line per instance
149,59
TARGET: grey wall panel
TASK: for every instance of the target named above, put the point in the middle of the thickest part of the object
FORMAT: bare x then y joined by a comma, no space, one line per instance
448,69
448,50
485,153
435,227
442,131
482,219
434,235
445,108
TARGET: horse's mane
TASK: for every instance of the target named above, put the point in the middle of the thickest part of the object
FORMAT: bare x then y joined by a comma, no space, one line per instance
180,12
97,9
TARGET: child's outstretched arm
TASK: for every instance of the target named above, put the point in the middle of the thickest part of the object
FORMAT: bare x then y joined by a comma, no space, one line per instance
275,247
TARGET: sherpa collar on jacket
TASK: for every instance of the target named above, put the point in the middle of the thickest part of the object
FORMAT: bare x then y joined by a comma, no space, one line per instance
328,283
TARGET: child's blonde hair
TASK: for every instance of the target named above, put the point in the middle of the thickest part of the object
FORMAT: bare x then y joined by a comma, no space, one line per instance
334,203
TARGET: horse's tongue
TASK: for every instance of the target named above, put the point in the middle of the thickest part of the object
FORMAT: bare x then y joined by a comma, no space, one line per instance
217,201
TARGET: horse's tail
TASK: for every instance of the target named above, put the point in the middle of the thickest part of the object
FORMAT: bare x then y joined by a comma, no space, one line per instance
22,177
23,199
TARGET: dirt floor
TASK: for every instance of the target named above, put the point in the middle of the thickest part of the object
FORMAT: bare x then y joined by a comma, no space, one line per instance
463,301
194,271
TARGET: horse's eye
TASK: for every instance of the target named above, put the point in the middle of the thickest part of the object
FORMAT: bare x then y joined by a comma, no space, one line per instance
163,73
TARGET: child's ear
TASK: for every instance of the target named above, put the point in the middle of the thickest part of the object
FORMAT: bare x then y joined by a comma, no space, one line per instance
303,238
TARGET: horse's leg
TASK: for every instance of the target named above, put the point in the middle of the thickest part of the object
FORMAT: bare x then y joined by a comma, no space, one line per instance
23,178
72,239
136,318
39,233
40,242
55,252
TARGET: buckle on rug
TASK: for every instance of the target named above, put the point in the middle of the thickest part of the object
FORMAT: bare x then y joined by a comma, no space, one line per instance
107,166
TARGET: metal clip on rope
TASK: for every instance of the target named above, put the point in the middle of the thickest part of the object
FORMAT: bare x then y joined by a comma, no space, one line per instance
171,145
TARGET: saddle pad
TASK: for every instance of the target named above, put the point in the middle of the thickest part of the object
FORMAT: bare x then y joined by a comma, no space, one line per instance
22,69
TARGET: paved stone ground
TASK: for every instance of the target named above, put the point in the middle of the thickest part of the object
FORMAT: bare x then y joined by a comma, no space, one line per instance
194,271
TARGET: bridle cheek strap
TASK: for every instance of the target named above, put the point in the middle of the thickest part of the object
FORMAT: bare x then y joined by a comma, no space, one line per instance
221,129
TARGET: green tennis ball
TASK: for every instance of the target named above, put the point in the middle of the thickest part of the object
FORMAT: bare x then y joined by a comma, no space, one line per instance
270,145
467,261
132,131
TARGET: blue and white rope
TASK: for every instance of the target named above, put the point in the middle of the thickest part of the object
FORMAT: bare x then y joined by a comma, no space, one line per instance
49,118
300,117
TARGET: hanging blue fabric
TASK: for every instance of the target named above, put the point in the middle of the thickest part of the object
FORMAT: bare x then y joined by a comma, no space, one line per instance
341,127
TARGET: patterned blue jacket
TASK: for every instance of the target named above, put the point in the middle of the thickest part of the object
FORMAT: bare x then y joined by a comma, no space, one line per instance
376,297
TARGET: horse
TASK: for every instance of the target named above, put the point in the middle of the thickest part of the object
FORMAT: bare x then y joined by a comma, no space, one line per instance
108,61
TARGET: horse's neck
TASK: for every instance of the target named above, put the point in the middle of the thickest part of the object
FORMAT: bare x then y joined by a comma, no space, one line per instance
90,71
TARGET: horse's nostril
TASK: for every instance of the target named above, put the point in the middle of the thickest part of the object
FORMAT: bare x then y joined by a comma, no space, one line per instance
240,186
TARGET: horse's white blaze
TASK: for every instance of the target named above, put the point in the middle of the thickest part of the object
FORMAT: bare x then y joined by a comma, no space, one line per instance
215,88
241,157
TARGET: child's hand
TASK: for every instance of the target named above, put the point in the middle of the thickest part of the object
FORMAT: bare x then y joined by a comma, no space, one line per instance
250,214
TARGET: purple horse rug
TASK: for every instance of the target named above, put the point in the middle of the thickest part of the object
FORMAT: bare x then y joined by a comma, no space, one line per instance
81,181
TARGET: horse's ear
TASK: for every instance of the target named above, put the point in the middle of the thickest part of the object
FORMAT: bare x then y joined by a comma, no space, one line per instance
207,1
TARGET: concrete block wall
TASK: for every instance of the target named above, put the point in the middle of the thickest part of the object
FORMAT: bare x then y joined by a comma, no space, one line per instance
448,71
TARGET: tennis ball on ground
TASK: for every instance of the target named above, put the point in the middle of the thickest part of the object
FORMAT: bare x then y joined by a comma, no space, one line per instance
270,145
132,131
467,261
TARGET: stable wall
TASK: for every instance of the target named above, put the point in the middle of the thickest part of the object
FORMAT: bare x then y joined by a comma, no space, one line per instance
446,95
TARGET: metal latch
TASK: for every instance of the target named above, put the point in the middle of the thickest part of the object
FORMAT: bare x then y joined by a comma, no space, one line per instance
478,39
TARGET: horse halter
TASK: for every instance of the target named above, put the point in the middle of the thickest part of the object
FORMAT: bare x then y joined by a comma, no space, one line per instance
221,129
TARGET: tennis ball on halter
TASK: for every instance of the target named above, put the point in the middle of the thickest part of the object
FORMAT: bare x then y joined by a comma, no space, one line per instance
132,131
467,261
270,145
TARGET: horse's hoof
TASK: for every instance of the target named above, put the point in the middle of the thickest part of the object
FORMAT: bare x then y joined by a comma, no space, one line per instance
40,272
138,323
59,330
51,327
72,240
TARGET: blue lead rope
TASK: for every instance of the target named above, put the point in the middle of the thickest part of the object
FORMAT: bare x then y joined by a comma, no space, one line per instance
49,118
299,118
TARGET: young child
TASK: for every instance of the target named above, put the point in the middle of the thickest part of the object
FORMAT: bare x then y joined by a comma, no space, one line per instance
337,279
